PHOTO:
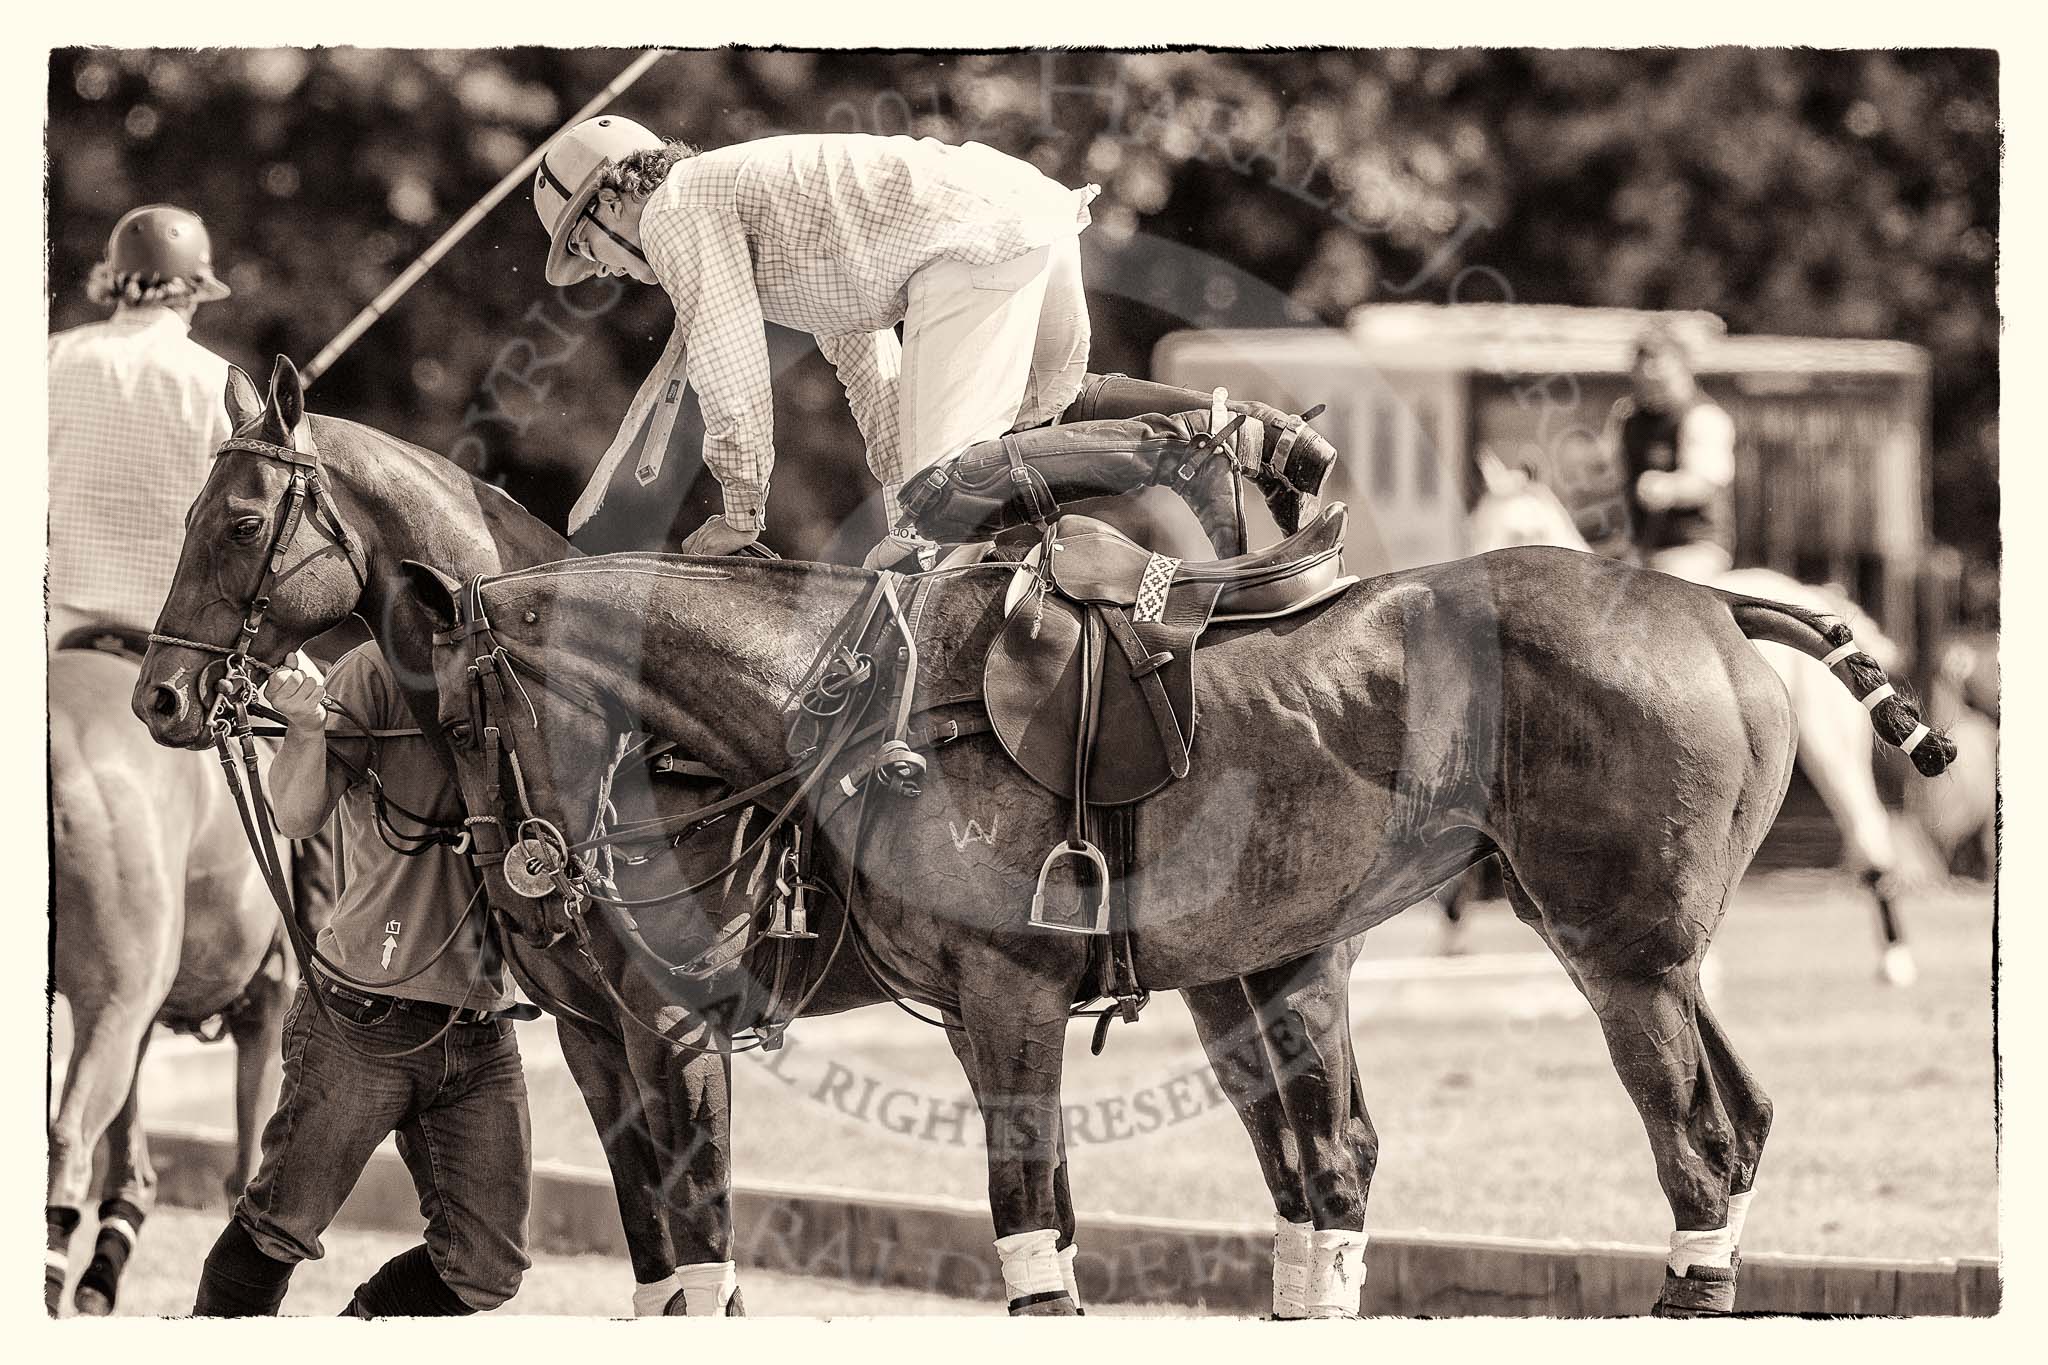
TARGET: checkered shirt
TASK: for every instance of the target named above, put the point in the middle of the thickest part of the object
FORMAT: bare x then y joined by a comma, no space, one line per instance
136,414
821,232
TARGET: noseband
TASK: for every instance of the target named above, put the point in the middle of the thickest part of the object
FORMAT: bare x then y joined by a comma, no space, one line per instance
305,497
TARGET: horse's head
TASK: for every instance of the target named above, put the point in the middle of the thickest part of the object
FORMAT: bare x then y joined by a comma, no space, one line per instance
267,563
544,759
527,755
1516,508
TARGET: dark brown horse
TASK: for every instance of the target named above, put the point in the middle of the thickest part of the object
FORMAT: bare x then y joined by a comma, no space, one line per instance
1612,734
660,1106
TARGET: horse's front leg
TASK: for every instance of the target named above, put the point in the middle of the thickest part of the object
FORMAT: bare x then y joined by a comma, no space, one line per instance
1016,1036
598,1063
687,1097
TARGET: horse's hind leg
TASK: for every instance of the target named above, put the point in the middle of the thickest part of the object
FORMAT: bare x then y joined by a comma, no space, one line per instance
128,1195
1748,1110
1304,1006
1228,1024
106,1043
1653,1032
1834,752
257,1029
1703,1111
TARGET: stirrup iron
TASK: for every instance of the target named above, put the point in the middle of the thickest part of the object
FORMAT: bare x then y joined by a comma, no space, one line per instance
1096,920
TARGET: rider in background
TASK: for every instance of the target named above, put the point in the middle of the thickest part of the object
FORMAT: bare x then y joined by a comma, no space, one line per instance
135,416
845,236
427,1053
1677,450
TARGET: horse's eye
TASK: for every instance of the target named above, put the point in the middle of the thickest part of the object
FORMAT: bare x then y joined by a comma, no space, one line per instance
460,734
244,530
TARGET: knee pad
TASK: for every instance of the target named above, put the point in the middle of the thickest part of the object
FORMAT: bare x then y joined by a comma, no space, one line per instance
240,1280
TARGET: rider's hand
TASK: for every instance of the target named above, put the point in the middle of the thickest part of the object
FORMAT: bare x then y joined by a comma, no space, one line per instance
715,537
298,697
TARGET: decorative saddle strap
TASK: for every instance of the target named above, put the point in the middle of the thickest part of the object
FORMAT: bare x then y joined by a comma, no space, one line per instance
1146,663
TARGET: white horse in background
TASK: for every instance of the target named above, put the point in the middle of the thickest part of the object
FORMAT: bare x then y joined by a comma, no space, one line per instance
1834,733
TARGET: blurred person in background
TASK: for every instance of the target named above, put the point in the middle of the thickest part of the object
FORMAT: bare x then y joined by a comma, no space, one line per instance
844,236
427,1053
1677,450
135,417
137,410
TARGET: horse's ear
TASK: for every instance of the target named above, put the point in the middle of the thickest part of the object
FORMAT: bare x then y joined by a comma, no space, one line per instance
287,400
1501,482
437,593
244,404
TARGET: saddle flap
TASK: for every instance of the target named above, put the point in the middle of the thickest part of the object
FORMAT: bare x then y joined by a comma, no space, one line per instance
1094,562
1032,686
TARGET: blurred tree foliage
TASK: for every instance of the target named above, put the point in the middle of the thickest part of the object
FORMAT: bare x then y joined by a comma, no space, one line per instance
1800,192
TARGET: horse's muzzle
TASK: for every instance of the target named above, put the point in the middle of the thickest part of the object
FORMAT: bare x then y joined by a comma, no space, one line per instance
171,716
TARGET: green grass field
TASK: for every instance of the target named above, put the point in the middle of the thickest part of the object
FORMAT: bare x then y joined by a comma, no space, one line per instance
1496,1107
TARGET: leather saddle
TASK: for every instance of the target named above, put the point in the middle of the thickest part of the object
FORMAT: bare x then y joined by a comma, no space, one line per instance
1092,674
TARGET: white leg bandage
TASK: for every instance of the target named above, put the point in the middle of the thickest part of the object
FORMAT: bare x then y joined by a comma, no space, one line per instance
1715,1247
1031,1265
121,1228
1336,1273
1290,1268
708,1287
1067,1275
651,1300
1738,1213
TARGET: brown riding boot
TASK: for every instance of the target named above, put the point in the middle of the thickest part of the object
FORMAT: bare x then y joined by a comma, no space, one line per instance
1294,458
1029,476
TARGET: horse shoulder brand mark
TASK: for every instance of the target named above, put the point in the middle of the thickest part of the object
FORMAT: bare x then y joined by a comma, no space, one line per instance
973,833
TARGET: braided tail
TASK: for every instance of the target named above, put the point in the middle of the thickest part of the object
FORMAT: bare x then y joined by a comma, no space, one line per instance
1896,718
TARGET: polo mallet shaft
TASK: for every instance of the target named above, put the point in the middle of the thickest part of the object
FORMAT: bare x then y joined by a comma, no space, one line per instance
396,290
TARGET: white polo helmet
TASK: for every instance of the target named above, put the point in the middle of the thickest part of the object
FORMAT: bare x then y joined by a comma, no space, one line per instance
567,178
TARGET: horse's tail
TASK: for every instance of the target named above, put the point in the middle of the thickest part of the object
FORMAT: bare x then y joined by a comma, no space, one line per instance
1896,718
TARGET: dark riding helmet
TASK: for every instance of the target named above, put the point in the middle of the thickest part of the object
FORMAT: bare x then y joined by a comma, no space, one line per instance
156,253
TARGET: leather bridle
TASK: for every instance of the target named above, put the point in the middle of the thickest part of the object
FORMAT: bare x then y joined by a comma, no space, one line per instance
231,714
305,498
833,701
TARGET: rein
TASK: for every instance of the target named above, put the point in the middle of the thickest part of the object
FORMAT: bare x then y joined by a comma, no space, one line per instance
234,705
831,704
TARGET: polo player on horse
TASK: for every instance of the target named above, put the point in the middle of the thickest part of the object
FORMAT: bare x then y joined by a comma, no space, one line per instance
982,416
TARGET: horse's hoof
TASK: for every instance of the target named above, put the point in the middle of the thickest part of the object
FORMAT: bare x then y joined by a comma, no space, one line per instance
53,1290
1047,1306
1898,967
1704,1291
735,1307
93,1302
